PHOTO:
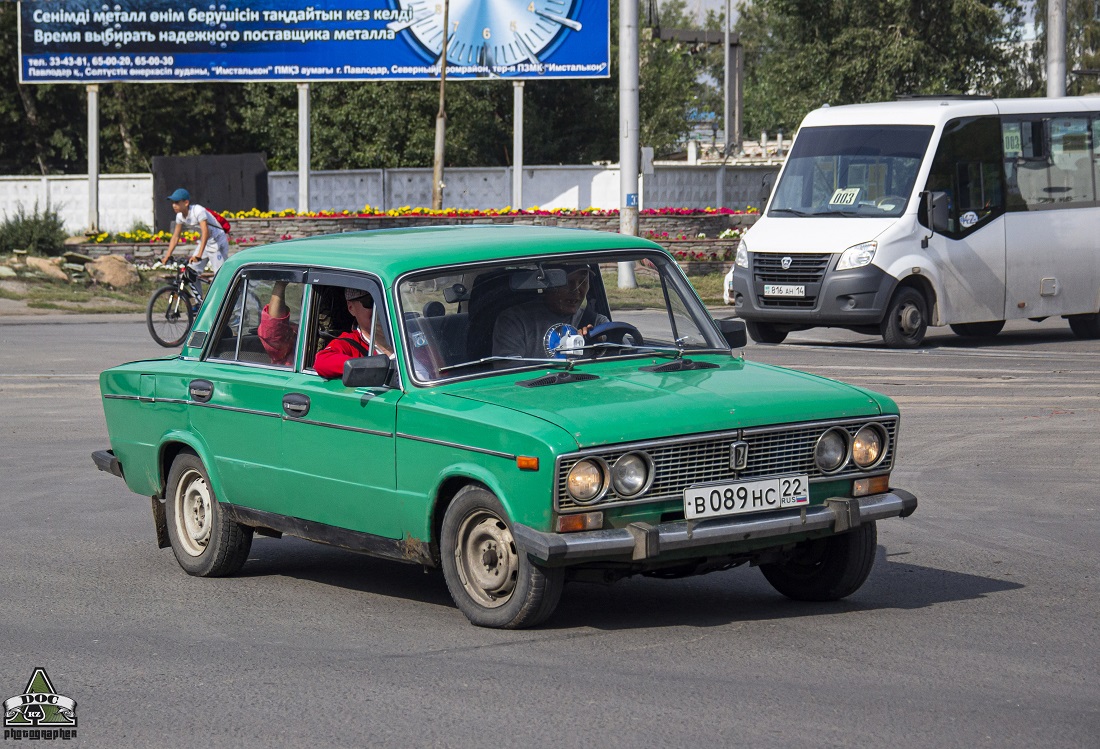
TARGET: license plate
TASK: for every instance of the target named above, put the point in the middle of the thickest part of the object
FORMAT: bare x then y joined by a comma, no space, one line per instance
718,500
771,289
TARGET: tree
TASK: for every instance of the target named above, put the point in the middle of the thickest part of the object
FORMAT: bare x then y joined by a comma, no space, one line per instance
800,54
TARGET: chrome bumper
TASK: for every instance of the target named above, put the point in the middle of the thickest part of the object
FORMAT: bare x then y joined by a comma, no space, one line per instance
640,541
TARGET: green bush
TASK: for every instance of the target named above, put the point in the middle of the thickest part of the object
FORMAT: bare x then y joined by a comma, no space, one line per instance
40,233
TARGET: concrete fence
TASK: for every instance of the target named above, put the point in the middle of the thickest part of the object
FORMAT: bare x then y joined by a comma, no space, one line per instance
127,199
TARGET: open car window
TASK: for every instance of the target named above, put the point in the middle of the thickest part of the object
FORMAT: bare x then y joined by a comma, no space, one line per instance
247,332
473,320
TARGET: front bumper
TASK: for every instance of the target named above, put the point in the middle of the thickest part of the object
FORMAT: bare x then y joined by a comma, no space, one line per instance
855,297
642,541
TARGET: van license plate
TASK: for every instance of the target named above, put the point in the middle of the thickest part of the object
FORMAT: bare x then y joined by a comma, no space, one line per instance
781,290
717,500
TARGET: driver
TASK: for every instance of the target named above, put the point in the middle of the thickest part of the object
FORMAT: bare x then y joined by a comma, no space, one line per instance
527,330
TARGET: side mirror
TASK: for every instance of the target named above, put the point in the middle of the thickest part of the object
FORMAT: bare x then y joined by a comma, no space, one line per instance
935,210
367,371
733,331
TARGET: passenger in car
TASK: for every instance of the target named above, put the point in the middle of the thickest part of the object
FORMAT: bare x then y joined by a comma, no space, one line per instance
276,332
353,344
525,329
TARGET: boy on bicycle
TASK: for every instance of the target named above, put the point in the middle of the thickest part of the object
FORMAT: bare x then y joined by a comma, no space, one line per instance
213,247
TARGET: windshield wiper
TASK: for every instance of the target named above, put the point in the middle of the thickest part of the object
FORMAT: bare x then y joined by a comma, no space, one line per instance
792,211
488,359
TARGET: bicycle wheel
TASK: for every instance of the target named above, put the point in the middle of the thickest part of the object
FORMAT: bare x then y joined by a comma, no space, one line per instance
169,316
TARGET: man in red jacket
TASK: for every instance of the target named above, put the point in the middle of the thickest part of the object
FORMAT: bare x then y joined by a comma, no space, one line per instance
354,343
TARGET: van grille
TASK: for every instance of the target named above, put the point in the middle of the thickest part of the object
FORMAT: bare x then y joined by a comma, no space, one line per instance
685,461
806,269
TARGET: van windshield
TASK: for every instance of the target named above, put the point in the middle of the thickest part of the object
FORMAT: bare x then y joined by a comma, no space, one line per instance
858,170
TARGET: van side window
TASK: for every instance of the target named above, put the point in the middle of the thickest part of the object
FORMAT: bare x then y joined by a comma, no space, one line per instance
967,167
1051,161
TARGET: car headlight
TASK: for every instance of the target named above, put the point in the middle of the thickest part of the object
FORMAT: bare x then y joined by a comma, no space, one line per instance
869,446
741,258
587,480
831,452
857,256
630,474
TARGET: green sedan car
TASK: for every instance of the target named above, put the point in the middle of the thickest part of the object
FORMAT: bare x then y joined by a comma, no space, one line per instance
488,401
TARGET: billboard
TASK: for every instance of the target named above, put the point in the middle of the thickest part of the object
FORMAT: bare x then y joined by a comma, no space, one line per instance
100,41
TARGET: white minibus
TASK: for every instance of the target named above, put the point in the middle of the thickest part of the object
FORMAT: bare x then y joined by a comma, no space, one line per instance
888,218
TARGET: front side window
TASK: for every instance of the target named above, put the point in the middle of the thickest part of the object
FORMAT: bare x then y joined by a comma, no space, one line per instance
478,319
864,171
259,321
967,169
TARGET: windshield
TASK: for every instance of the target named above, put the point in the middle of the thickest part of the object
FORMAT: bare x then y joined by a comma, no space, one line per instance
556,311
863,170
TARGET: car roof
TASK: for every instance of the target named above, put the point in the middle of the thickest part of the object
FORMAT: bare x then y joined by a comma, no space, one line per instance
392,252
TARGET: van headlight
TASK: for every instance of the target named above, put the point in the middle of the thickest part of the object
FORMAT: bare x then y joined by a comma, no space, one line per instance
857,257
869,446
741,259
587,480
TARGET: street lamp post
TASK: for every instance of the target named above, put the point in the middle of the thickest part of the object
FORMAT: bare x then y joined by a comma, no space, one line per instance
441,118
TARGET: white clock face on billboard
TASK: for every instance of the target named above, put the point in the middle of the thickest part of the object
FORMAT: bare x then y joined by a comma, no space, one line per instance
491,32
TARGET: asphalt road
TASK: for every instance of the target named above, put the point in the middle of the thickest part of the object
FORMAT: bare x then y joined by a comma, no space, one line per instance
977,628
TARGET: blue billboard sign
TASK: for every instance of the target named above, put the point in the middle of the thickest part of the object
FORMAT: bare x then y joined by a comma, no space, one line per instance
99,41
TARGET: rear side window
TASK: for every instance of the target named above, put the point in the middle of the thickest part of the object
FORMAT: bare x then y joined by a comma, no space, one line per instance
1050,161
967,167
259,321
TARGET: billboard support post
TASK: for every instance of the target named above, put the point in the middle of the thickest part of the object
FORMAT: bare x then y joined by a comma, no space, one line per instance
303,148
517,144
441,118
93,158
628,131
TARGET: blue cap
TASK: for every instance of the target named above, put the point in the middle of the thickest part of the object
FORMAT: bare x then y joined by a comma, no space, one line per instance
179,195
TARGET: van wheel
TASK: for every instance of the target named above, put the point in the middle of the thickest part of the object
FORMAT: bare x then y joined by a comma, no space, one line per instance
762,332
1085,327
490,579
906,319
978,329
826,569
205,542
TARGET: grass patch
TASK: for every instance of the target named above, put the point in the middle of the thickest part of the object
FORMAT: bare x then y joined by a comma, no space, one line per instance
46,293
649,295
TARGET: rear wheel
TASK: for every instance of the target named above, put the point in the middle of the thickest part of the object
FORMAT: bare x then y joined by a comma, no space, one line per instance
1086,327
978,329
763,332
169,316
906,319
490,579
206,543
826,569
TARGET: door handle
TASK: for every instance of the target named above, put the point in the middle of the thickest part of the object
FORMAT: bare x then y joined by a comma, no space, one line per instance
296,404
201,390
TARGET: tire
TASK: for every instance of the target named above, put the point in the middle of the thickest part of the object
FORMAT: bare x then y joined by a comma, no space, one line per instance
206,543
169,316
491,581
763,332
979,329
906,319
826,569
1085,327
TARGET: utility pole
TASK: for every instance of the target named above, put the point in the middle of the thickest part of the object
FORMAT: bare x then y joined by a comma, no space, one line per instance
441,117
629,131
304,145
1056,48
93,158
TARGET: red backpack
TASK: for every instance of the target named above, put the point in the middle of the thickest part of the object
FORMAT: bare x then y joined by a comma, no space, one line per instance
225,225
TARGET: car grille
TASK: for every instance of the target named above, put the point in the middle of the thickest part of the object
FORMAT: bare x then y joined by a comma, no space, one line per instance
806,269
686,461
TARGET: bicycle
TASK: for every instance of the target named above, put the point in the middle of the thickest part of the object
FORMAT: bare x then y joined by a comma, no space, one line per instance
171,309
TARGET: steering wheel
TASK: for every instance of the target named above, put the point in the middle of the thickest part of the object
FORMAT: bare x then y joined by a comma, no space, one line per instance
897,200
614,332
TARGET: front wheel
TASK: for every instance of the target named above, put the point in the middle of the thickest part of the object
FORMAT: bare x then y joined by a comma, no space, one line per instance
490,579
826,569
763,332
205,542
169,316
1085,327
906,319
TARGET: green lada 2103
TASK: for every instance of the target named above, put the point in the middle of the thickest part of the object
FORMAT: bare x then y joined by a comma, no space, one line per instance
511,417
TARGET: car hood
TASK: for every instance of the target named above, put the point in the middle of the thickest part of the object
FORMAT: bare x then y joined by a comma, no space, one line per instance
790,233
626,404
